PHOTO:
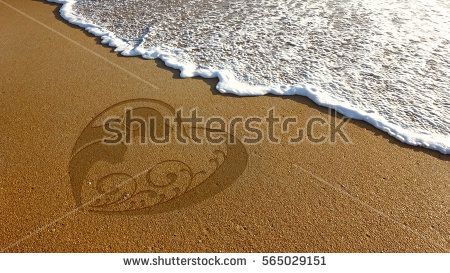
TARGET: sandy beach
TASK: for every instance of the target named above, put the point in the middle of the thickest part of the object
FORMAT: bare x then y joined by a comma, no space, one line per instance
374,194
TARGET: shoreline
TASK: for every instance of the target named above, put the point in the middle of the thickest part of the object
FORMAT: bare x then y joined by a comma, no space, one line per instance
374,195
226,83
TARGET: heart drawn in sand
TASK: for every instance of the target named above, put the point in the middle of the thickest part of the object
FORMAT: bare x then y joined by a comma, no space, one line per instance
149,178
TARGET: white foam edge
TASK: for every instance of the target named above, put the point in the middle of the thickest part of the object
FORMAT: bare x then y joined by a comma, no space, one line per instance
229,84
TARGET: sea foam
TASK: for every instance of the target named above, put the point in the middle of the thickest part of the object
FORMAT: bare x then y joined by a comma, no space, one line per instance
386,62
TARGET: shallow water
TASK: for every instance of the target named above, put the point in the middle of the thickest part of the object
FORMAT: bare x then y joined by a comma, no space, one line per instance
386,62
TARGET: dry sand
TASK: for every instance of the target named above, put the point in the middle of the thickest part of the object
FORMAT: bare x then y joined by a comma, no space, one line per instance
373,195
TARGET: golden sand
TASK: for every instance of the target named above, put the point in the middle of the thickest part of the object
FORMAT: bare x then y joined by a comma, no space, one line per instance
375,194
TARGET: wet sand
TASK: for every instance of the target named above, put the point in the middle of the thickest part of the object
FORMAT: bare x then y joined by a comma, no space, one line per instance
372,195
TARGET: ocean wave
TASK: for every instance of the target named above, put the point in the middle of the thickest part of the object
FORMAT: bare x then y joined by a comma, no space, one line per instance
385,62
